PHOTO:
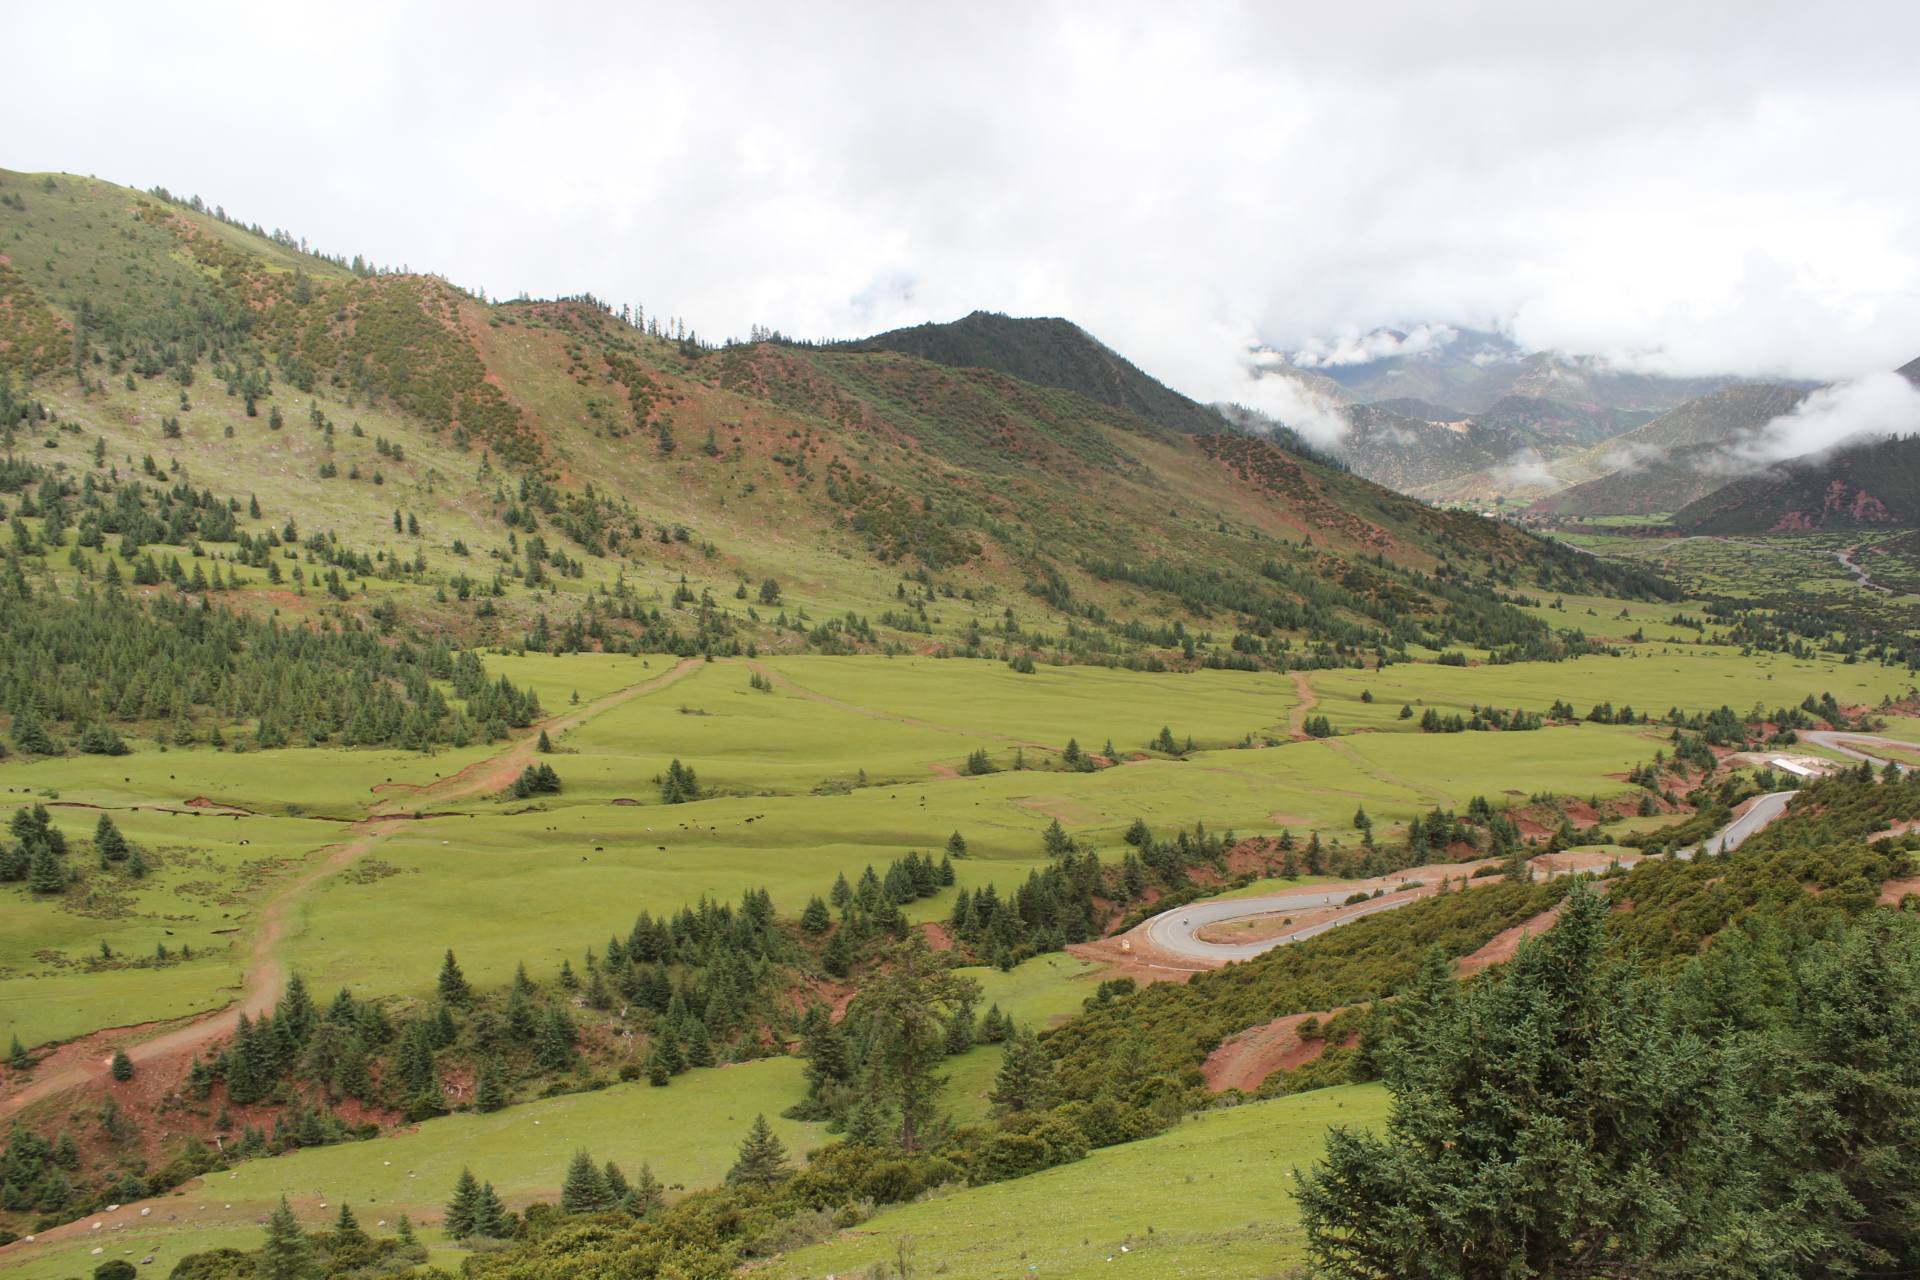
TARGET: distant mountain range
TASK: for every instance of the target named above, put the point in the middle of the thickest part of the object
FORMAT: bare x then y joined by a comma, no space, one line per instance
1471,370
1862,484
1451,414
1677,458
1463,415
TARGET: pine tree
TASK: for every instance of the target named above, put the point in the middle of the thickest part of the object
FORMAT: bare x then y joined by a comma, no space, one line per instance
648,1195
284,1256
960,1029
295,1012
347,1228
1025,1082
837,958
868,1124
107,840
906,1007
122,1068
453,984
17,1056
403,1231
490,1217
763,1157
490,1093
1604,1150
459,1220
553,1049
46,871
585,1189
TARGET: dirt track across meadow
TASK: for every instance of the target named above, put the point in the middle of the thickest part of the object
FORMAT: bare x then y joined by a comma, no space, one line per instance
88,1059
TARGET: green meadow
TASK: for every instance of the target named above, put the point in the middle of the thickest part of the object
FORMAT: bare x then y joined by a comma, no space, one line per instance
847,762
1212,1198
1652,678
209,876
686,1132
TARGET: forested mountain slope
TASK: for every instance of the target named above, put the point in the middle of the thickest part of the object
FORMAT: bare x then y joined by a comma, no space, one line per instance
571,476
1049,352
1870,484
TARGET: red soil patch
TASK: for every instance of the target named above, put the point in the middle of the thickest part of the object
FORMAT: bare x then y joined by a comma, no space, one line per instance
1895,831
1894,891
942,770
1500,948
938,939
1247,1058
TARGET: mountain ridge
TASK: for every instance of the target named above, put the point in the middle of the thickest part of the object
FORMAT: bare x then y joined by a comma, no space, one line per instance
904,503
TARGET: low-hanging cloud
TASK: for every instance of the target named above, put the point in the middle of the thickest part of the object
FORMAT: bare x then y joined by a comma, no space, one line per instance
1297,406
1361,348
1875,404
1525,469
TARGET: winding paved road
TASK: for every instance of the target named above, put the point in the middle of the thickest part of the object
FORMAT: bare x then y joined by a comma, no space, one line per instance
1837,740
1176,932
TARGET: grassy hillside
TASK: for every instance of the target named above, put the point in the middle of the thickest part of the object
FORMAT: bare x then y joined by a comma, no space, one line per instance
474,468
1213,1198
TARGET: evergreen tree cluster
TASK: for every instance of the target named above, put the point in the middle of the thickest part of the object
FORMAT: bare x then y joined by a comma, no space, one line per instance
101,659
38,853
1747,1115
679,784
535,780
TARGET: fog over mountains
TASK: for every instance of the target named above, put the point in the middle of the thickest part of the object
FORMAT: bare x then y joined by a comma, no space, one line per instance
1449,413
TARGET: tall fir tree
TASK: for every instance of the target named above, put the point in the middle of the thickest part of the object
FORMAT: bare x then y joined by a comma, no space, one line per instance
763,1157
285,1255
585,1189
460,1216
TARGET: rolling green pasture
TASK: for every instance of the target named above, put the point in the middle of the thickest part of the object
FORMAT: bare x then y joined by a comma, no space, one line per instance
688,1132
503,881
295,781
1600,618
556,677
1000,707
1905,728
209,876
546,883
1653,679
1212,1198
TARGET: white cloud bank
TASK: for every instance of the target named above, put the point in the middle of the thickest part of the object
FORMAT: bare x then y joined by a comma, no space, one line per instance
1185,181
1877,404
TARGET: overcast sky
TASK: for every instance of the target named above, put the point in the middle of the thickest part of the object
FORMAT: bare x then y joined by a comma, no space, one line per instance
1683,185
